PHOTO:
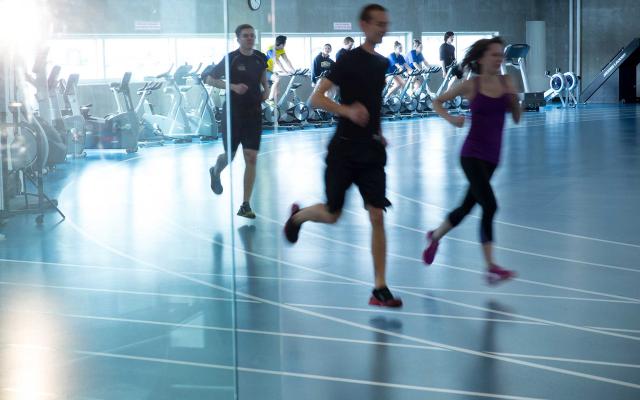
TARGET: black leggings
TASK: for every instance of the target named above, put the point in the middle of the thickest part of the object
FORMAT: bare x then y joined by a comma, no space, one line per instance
479,174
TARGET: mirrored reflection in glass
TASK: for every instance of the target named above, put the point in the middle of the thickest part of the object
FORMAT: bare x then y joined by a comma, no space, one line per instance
132,295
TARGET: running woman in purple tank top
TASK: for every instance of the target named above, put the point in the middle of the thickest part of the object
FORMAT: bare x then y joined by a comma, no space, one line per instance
491,95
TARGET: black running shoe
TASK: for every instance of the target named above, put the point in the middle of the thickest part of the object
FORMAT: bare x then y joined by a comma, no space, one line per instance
246,211
216,185
291,229
383,298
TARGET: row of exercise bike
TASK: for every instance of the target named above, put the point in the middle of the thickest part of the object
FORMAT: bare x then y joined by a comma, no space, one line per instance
44,134
413,98
70,127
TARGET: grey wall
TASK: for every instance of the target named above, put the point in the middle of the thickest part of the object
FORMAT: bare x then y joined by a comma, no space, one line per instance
119,16
415,16
607,25
556,15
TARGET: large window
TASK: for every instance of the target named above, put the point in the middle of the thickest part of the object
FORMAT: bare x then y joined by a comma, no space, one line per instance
301,49
387,46
100,58
336,42
78,56
298,49
431,42
202,50
142,57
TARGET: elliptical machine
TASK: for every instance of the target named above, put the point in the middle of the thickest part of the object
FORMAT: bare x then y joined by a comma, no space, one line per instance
115,131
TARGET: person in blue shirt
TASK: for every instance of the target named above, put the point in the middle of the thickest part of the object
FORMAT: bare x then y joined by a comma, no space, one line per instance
415,58
397,62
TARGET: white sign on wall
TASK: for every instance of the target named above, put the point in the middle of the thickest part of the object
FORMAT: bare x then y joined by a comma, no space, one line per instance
147,25
342,26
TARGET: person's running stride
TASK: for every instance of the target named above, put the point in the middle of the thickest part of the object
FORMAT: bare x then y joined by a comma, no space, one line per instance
491,95
249,87
357,151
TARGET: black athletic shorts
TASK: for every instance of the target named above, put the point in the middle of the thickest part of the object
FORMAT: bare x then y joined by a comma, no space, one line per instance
246,129
360,163
457,71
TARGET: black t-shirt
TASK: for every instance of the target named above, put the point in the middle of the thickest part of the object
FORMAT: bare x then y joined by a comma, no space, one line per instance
320,64
447,53
361,77
247,70
340,53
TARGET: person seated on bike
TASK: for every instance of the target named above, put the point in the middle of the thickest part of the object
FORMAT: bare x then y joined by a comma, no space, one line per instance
416,60
397,62
322,64
275,66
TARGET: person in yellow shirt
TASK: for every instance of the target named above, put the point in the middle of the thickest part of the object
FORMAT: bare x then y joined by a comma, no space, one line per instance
275,57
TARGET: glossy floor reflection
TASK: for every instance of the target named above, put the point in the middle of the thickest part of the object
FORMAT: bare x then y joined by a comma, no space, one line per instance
132,297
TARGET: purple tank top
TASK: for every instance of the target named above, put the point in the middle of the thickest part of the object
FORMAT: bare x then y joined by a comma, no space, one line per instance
484,140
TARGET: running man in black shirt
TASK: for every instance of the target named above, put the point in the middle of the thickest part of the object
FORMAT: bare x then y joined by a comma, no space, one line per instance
357,151
249,87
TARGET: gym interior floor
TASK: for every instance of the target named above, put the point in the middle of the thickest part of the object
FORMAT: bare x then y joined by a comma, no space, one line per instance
131,296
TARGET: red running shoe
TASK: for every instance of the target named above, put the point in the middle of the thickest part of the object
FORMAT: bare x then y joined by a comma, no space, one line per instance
497,274
430,252
383,298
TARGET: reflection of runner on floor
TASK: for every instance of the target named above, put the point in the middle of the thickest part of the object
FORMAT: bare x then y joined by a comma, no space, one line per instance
247,68
357,151
491,95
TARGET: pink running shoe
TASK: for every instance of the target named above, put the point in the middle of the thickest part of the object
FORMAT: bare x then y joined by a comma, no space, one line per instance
497,274
430,252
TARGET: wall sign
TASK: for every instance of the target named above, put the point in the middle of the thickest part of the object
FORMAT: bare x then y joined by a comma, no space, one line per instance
342,26
146,25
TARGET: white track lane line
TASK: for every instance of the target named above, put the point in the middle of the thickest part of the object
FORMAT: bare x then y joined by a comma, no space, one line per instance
604,294
318,281
527,227
353,324
127,292
288,374
508,249
302,336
